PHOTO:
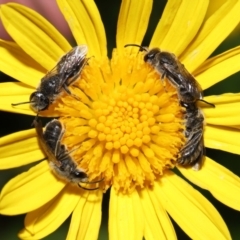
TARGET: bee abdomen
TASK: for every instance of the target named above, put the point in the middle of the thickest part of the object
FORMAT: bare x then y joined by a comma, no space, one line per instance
193,151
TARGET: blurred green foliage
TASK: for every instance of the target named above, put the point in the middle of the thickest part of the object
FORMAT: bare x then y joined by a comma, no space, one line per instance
9,226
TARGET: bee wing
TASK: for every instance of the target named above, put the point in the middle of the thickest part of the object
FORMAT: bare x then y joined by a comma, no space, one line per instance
68,68
50,73
184,76
73,62
73,58
51,157
189,77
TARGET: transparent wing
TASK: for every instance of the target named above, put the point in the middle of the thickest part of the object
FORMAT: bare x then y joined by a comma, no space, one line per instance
47,150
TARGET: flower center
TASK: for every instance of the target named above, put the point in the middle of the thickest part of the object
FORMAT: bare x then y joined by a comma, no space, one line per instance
126,126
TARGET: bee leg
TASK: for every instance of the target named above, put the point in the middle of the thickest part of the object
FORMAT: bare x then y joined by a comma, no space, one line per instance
65,87
163,80
35,121
97,181
89,189
73,79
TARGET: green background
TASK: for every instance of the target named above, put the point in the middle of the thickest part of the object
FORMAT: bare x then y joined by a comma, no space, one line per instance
9,122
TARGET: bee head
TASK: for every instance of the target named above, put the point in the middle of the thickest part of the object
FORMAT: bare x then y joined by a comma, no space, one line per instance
151,55
78,176
38,101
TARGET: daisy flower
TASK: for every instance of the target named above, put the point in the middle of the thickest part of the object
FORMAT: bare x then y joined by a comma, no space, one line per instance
127,128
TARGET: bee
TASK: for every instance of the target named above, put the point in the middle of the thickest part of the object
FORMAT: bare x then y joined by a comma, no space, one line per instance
193,151
167,64
66,72
189,92
60,161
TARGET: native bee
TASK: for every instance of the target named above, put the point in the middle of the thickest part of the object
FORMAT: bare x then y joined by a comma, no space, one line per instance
167,64
59,157
66,71
189,92
193,151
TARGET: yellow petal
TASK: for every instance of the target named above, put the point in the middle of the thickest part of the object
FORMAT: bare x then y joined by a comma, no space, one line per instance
15,88
29,190
218,68
15,92
223,114
19,149
222,183
133,21
86,25
22,158
157,222
215,29
224,121
17,136
223,98
6,104
179,24
77,217
125,216
86,217
34,34
228,109
49,217
189,209
215,137
26,69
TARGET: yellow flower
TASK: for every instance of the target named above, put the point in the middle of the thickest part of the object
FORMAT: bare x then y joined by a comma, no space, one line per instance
127,128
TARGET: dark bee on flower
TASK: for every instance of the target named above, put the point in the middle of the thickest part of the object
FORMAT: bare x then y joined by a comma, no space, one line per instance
193,151
65,73
189,92
169,66
59,157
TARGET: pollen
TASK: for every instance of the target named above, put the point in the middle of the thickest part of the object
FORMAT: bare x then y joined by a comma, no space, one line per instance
126,124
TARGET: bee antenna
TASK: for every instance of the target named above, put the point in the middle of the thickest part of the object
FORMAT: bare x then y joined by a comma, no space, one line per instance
35,120
97,181
73,150
90,189
92,182
211,104
16,104
136,45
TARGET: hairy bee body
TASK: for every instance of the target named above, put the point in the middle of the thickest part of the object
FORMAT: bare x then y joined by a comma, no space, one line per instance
57,153
189,92
169,66
192,152
66,72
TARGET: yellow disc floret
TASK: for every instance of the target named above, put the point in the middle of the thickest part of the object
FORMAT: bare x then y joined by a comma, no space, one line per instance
126,126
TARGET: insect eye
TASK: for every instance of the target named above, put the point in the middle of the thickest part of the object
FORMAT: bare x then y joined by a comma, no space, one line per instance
39,101
149,57
62,168
79,174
